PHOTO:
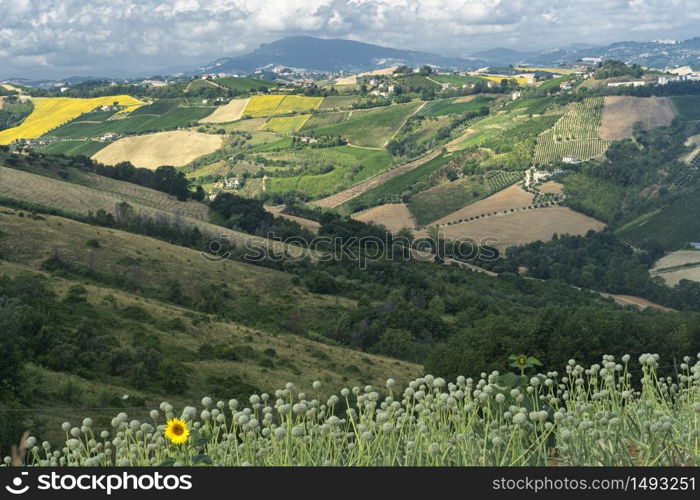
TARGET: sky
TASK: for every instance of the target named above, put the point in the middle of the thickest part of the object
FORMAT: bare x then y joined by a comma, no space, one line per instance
61,38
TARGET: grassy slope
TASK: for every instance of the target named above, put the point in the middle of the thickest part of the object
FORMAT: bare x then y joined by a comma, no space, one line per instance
153,263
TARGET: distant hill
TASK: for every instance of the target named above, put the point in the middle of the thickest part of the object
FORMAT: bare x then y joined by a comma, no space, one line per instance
320,54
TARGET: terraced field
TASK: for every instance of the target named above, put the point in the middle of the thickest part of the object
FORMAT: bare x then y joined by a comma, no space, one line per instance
52,112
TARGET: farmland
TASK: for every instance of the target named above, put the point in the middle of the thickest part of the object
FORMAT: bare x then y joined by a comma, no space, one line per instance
268,105
439,201
244,84
172,117
677,266
673,226
687,107
163,148
347,165
50,113
622,112
263,105
338,102
504,200
393,216
286,124
227,113
320,120
575,134
372,127
454,106
298,104
396,181
523,226
74,148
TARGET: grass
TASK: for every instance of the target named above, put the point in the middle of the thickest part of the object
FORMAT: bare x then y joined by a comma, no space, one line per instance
687,107
74,148
52,112
609,416
452,107
372,127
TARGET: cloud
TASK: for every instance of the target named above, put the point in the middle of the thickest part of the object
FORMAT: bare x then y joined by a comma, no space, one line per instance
57,38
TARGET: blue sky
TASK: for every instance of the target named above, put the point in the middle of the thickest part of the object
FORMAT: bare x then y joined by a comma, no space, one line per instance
60,38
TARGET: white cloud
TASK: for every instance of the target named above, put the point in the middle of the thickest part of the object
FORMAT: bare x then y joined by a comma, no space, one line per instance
61,37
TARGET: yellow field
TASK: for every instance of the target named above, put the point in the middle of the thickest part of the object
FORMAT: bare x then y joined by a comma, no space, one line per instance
286,124
52,112
267,105
227,113
263,105
521,81
298,103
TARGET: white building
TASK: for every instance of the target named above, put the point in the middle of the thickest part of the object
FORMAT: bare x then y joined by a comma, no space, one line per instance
635,83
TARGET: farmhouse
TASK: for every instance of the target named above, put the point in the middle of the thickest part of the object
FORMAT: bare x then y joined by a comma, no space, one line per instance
695,245
515,95
233,183
635,83
571,159
566,86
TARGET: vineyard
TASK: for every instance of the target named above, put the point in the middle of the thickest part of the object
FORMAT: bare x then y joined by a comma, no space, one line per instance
533,127
501,180
687,106
575,134
319,120
74,148
673,226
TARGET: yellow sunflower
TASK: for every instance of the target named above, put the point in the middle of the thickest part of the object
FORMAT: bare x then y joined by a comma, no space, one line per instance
177,431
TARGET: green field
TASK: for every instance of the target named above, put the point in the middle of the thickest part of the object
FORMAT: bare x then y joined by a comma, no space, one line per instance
74,148
159,107
531,106
243,83
529,129
417,82
177,117
452,107
687,106
457,80
319,120
437,202
392,189
349,166
372,127
673,226
339,101
576,133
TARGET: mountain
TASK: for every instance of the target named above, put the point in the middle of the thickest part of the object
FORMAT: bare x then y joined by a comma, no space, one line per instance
321,54
502,56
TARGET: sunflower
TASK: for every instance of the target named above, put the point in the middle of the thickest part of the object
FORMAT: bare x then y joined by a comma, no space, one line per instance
177,431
